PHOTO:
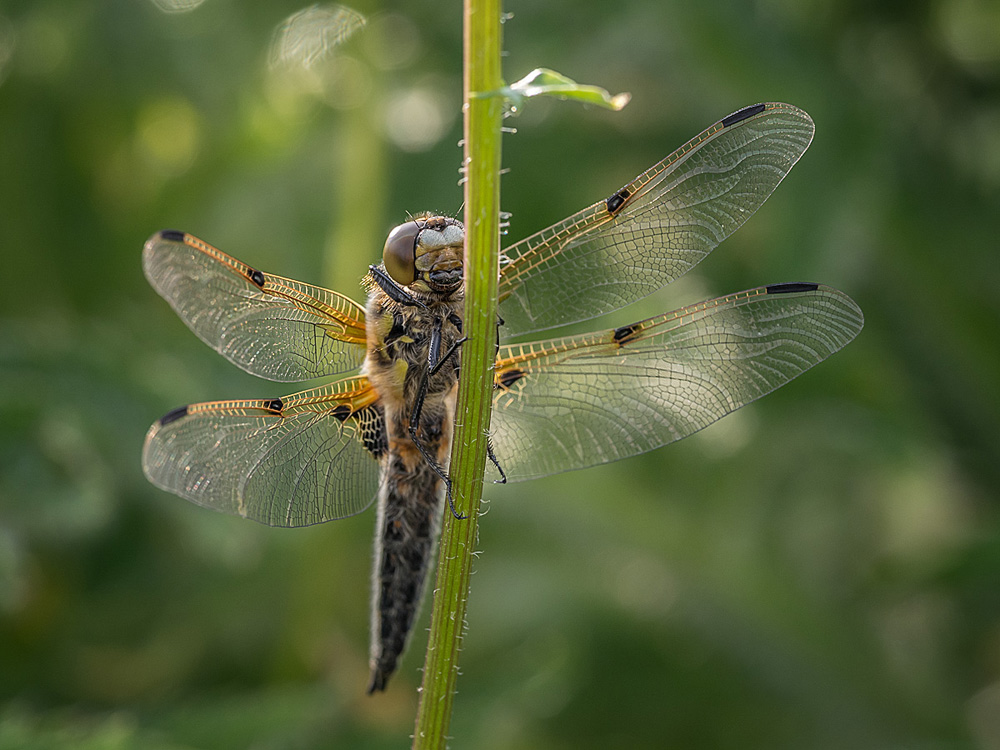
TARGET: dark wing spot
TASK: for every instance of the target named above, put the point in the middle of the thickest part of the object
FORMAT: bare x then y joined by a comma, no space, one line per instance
617,200
342,412
791,288
507,378
173,416
625,334
256,277
274,405
172,235
743,114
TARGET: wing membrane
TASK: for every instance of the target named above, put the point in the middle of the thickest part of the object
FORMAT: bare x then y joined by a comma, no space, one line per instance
273,327
655,228
584,400
294,461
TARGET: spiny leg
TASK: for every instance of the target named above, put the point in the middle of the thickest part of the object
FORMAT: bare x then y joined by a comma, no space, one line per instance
447,355
493,459
489,441
393,290
434,363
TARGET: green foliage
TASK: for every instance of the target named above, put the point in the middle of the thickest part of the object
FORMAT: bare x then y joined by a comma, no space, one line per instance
817,570
545,82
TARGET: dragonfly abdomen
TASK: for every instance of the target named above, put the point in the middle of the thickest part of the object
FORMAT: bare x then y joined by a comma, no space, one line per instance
409,516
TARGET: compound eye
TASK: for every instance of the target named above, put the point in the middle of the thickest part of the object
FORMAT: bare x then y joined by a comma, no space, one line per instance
399,253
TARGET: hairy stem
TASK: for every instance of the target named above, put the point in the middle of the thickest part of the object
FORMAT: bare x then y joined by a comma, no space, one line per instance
483,115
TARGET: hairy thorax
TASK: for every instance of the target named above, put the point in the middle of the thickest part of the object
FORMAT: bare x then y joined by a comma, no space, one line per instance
399,348
404,340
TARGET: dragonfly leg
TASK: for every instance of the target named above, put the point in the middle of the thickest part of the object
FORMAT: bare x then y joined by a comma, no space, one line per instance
434,349
493,459
431,460
434,363
447,355
393,290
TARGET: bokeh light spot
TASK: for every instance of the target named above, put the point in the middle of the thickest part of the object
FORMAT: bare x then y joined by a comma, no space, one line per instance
177,6
307,36
971,30
43,44
417,118
168,133
7,44
393,42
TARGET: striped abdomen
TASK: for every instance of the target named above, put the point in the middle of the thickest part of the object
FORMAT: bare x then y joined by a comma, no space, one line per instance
409,519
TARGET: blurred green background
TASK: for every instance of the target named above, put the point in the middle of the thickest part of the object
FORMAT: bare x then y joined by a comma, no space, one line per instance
819,570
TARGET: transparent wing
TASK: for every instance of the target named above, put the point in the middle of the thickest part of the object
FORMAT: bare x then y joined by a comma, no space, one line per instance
291,461
655,228
273,327
584,400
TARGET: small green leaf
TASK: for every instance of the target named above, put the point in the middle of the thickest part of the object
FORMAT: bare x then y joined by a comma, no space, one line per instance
545,82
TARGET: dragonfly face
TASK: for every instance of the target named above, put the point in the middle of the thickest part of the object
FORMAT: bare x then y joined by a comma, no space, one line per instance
426,254
329,452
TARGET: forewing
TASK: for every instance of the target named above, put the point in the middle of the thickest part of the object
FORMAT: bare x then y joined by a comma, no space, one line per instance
584,400
272,327
294,461
655,228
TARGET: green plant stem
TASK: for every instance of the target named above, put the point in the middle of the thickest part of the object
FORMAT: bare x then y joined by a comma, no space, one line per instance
483,116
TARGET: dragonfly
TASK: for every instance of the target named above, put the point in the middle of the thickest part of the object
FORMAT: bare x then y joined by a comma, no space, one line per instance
382,434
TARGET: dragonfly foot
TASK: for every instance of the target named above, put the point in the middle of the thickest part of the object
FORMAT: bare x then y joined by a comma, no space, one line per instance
451,503
493,459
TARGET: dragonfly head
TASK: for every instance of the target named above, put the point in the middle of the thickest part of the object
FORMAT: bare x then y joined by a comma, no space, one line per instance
426,254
